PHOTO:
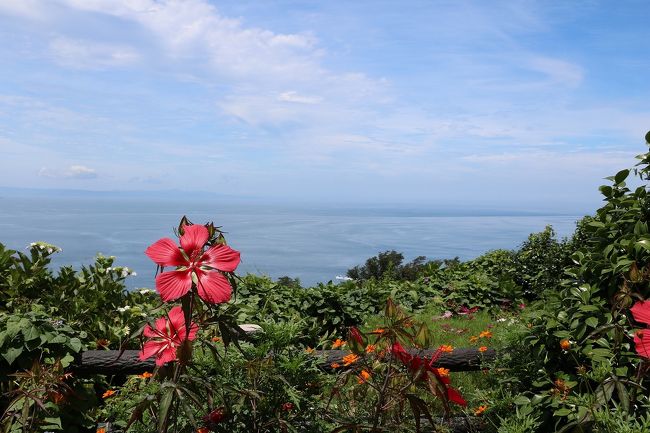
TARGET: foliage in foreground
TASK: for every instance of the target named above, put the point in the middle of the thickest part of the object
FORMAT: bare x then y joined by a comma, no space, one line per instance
573,359
581,346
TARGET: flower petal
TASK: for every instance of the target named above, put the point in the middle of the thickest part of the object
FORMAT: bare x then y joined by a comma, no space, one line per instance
222,257
642,342
159,331
641,312
167,355
173,284
177,320
213,287
165,252
149,332
193,238
149,349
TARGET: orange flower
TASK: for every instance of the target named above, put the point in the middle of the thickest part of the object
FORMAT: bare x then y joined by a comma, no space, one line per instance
370,348
444,372
473,339
363,376
378,331
565,344
203,430
145,375
100,430
446,348
485,334
109,393
482,348
338,343
216,340
479,410
334,365
350,359
309,350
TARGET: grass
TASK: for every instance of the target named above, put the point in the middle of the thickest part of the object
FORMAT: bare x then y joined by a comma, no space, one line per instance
458,331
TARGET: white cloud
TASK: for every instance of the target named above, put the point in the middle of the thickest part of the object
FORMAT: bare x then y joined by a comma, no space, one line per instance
548,162
557,70
84,54
33,9
195,29
72,172
293,96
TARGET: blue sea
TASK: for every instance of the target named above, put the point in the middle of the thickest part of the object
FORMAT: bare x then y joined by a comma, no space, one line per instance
313,243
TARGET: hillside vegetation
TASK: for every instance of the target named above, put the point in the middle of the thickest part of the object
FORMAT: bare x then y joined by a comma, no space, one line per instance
567,317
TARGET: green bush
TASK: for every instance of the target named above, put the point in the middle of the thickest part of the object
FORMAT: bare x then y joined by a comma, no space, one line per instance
584,361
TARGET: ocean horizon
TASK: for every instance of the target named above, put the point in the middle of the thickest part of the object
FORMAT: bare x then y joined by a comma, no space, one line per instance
313,243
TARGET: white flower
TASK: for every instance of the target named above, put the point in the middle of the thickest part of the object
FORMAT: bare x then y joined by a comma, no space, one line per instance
144,291
501,319
126,330
123,309
44,246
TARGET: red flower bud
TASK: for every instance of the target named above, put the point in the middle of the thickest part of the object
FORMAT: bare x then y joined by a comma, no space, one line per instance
215,417
287,407
356,335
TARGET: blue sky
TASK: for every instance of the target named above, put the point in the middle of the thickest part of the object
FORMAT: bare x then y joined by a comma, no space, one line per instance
519,105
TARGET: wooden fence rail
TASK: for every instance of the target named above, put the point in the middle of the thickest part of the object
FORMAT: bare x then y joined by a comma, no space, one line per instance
111,362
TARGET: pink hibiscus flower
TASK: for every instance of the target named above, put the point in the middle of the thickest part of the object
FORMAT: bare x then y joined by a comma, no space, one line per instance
641,313
168,335
192,260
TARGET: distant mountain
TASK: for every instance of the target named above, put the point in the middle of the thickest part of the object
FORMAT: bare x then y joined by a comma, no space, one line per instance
157,194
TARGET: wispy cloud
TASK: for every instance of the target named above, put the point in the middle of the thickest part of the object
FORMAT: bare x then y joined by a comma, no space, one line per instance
292,96
83,54
72,172
152,90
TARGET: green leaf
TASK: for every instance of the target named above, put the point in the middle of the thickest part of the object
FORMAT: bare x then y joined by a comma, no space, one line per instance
562,412
621,176
12,353
163,411
52,423
67,360
606,190
592,322
623,396
31,333
604,392
521,400
75,344
644,243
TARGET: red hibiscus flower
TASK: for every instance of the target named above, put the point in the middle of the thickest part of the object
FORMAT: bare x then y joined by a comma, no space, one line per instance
193,261
168,335
422,365
641,313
